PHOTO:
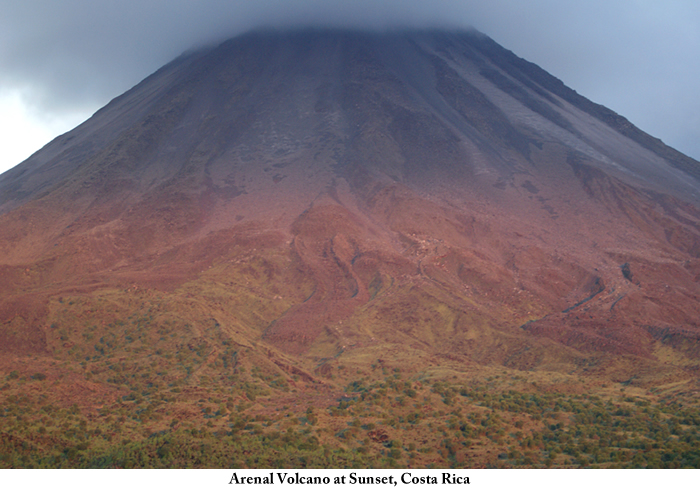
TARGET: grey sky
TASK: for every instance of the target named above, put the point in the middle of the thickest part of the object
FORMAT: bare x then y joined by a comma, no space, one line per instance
638,57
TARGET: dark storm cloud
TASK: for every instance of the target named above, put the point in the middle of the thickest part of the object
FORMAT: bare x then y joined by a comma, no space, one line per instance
637,57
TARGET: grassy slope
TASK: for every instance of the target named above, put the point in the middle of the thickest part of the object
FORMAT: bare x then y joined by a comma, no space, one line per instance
144,377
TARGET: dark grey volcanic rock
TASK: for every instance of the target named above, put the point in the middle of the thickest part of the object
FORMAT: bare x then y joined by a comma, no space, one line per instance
450,105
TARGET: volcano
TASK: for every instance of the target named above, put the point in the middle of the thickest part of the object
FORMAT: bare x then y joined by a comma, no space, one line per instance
289,212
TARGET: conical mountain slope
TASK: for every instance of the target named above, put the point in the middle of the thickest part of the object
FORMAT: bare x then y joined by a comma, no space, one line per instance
325,198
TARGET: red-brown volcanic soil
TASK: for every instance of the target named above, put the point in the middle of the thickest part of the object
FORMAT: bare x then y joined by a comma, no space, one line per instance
352,196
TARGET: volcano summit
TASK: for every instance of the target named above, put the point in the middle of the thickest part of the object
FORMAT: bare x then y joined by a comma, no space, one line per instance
313,218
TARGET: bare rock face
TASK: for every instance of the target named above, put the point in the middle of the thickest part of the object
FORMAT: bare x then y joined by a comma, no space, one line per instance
325,193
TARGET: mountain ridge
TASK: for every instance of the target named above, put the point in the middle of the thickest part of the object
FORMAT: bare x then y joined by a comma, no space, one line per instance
513,66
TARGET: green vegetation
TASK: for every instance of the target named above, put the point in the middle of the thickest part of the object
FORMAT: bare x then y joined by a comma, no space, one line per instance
389,422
